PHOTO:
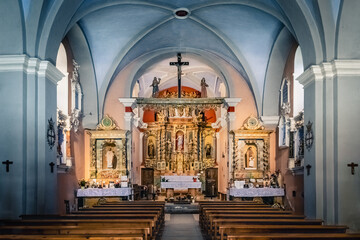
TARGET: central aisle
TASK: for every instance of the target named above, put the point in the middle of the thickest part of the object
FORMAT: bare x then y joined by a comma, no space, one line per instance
182,227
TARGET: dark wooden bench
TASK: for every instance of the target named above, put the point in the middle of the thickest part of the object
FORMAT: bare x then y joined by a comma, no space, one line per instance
226,230
277,236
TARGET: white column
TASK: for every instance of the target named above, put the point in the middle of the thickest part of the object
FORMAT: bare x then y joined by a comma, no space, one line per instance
231,105
28,97
129,104
331,93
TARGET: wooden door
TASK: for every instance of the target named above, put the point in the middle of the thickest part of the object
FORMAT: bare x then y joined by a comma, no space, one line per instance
147,176
211,182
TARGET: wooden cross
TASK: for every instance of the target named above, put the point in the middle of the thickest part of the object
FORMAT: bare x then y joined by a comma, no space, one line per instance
179,63
7,163
52,164
353,165
308,169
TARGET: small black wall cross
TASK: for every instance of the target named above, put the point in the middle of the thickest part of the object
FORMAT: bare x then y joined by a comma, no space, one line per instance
308,169
7,163
353,166
52,166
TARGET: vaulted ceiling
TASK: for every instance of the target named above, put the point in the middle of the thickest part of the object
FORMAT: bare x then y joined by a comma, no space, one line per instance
253,37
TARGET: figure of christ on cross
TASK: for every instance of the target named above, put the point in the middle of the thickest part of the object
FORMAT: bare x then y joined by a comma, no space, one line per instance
179,63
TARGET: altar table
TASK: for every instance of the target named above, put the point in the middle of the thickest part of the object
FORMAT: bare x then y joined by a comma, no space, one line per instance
181,185
176,182
257,192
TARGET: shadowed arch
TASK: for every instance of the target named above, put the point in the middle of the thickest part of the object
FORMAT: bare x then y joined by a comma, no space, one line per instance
304,26
12,37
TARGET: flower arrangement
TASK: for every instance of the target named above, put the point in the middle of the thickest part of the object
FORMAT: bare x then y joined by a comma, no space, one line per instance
82,182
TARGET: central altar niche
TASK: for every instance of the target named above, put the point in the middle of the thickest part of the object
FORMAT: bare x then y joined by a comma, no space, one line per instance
180,141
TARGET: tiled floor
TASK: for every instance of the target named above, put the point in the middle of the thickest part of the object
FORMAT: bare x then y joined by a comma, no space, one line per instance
182,227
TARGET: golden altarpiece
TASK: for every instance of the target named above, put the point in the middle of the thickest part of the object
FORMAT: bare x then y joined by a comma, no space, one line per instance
179,141
251,145
108,146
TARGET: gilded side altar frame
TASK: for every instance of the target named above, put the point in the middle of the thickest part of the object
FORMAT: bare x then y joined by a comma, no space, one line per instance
252,134
107,135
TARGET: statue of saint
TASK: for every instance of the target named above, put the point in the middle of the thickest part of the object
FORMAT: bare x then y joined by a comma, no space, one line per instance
155,85
114,162
109,158
208,150
250,158
180,141
203,88
151,149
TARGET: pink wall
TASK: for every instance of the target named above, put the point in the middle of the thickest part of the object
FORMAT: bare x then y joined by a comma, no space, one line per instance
68,182
291,182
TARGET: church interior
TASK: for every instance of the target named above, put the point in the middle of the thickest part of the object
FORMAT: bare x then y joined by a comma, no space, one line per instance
233,112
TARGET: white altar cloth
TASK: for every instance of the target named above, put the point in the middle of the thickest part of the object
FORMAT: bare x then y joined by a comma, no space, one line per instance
104,192
257,192
181,185
176,178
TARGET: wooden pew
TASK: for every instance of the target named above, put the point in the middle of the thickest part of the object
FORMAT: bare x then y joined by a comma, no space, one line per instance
226,230
103,223
74,237
277,236
210,222
75,230
112,221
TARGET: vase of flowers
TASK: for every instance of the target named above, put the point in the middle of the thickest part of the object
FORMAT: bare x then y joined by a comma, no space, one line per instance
82,183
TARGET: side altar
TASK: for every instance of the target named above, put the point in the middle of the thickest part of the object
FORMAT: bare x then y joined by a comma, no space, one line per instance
107,172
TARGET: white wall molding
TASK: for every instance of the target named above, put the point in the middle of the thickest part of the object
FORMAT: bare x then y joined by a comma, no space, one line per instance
23,63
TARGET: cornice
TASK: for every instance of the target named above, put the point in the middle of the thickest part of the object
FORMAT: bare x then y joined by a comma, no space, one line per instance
329,70
23,63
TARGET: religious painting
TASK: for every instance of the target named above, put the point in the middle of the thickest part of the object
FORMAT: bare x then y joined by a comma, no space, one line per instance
180,141
151,148
250,156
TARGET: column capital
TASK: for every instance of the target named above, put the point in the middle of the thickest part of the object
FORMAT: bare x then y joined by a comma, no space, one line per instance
329,70
231,102
270,121
23,63
128,102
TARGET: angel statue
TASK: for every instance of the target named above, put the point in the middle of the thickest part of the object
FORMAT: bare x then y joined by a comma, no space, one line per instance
155,85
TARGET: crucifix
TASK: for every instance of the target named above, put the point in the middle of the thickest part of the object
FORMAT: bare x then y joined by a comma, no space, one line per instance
52,164
308,169
353,165
179,63
7,163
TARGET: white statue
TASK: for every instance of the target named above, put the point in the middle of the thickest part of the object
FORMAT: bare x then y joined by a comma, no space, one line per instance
251,162
180,141
109,158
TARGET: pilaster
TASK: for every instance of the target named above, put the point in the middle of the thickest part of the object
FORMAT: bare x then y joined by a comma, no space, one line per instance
28,86
331,100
